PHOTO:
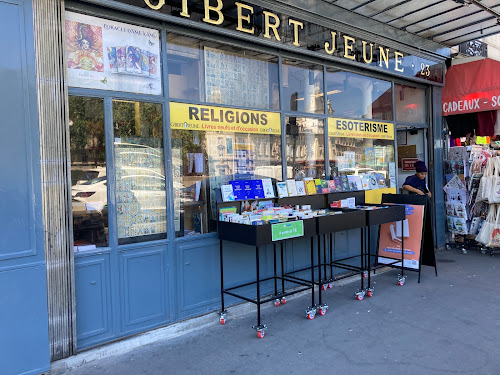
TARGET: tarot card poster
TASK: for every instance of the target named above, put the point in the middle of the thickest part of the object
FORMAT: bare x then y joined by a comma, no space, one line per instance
108,55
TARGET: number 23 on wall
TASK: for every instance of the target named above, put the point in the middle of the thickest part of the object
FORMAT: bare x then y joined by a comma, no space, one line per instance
425,70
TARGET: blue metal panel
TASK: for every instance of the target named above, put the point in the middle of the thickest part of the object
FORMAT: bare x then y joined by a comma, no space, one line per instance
24,339
143,288
93,299
16,186
199,276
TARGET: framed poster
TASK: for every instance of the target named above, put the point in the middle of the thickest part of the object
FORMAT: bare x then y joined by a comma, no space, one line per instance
107,55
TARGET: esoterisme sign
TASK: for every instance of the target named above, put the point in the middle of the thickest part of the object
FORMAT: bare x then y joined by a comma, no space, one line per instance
210,118
342,127
278,27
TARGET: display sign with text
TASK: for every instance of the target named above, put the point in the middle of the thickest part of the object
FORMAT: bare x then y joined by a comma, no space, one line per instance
291,229
341,127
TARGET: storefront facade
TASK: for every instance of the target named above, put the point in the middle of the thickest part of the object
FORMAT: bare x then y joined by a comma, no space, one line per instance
139,110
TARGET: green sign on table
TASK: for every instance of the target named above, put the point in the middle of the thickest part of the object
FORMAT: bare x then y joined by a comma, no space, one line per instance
290,229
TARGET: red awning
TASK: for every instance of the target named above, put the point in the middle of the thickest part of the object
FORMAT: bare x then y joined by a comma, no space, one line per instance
472,87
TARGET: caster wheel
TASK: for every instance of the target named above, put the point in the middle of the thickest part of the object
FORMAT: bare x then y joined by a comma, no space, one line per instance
360,297
283,301
365,275
323,287
311,316
401,283
330,285
448,247
222,321
369,293
464,251
260,334
277,303
322,312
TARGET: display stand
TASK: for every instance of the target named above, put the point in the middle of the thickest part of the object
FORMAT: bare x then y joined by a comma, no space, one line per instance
427,256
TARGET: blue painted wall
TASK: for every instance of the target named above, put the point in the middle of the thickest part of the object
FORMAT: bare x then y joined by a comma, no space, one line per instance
24,343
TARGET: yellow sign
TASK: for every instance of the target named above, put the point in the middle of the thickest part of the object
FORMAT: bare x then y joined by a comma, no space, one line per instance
342,127
207,118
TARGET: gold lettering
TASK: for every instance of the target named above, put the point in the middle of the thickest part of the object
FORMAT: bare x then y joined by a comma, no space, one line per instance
333,45
246,18
216,9
364,52
155,7
271,26
398,59
349,47
296,25
184,12
384,55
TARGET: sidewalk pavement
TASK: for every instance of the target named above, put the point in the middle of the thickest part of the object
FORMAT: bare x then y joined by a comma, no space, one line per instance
448,324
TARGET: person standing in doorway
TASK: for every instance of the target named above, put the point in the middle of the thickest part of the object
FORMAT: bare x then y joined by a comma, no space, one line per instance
416,184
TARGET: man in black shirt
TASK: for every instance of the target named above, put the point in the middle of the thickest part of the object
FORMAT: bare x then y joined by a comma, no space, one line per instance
416,184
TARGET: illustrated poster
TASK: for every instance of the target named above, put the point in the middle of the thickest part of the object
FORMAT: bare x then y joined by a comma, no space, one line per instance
108,55
391,235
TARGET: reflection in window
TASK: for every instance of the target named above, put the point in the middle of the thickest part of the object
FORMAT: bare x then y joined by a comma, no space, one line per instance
303,87
364,157
140,172
305,148
356,96
88,173
211,72
410,104
202,161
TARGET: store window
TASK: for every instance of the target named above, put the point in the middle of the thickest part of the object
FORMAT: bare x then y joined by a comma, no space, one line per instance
410,104
140,173
369,160
356,96
305,150
246,145
203,71
89,187
303,87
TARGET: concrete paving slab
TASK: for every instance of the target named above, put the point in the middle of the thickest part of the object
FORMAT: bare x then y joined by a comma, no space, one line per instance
448,324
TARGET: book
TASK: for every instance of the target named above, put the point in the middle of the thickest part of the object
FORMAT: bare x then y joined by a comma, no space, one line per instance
301,187
282,190
258,189
331,186
345,183
365,182
355,183
372,181
317,183
324,187
291,187
380,180
226,211
267,185
112,59
310,187
248,189
239,193
338,184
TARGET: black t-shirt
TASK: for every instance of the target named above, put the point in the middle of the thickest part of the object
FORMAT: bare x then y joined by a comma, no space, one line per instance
417,183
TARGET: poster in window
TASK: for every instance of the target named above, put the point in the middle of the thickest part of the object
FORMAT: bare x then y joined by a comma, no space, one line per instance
108,55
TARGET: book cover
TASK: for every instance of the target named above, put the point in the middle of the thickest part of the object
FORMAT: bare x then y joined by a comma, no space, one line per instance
227,193
345,183
339,186
248,189
380,180
145,62
310,187
331,186
355,183
267,185
372,181
225,211
121,57
317,184
239,193
301,187
324,187
365,182
258,189
282,190
153,67
291,187
133,62
112,59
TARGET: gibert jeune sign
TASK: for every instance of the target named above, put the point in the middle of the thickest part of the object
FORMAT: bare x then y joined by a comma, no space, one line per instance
257,21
